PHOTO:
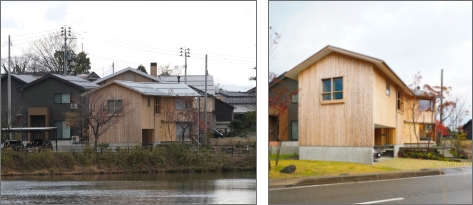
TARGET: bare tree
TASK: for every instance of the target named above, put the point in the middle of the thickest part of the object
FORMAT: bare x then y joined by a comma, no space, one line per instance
48,52
180,118
20,64
167,69
274,38
98,111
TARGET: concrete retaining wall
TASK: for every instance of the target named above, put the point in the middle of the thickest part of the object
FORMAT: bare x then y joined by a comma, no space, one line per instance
363,155
287,147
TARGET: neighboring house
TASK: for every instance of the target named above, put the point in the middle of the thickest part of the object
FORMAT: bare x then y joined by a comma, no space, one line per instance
242,101
219,113
158,112
467,129
283,115
129,74
17,107
350,102
46,100
90,77
196,81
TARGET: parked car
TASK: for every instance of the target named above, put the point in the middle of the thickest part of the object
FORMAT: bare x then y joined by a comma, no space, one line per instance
376,153
14,144
216,133
39,143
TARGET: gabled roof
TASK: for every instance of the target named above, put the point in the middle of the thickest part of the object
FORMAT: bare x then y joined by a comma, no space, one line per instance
155,88
24,78
68,79
127,70
202,93
197,81
293,73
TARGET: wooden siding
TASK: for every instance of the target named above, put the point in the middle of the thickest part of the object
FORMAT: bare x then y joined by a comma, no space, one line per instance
383,136
344,124
128,129
384,106
147,112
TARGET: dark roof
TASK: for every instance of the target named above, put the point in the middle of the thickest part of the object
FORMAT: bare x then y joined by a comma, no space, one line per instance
202,93
235,93
252,90
68,79
28,129
24,78
240,100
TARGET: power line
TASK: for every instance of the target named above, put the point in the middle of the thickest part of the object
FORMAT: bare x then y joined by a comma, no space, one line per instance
133,48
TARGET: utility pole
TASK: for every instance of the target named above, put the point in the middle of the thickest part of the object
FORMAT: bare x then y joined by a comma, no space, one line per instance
186,54
64,32
205,101
9,86
441,110
113,67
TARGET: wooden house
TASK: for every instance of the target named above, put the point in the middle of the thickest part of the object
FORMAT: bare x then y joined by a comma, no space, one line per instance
348,103
155,112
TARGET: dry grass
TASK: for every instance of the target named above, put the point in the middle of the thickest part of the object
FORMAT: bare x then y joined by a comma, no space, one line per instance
306,168
233,140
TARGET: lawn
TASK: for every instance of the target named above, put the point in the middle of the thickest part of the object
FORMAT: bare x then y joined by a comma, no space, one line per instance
306,168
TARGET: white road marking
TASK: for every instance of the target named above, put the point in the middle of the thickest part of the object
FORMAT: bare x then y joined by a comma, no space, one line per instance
381,201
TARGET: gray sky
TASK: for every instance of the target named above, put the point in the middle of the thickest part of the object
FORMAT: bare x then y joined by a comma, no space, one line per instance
408,36
134,33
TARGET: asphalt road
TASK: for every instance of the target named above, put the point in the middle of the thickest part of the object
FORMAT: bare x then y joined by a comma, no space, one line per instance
454,188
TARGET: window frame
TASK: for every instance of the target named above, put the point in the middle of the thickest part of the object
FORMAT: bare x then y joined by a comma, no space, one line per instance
292,130
63,124
115,101
388,88
431,107
157,105
187,104
296,97
400,102
332,91
61,94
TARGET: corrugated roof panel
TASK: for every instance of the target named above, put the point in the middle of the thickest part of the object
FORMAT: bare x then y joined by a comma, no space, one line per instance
160,89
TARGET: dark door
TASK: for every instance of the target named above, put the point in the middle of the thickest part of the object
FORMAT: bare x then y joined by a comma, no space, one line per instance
38,121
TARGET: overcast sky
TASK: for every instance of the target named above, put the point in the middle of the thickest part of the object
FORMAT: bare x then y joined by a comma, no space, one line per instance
408,36
134,33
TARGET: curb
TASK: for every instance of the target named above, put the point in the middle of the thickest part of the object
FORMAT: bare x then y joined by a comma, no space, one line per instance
357,178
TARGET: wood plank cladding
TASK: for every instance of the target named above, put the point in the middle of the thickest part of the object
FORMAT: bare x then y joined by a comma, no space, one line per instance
384,106
343,124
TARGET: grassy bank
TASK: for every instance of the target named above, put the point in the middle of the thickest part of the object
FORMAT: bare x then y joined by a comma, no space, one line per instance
306,168
174,158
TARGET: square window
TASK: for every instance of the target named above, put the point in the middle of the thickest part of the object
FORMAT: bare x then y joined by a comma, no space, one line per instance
295,98
332,89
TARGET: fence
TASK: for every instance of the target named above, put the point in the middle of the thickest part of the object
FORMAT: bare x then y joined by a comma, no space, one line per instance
79,148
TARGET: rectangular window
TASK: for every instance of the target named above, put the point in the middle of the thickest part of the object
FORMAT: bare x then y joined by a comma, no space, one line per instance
157,108
114,106
425,105
182,129
63,131
388,88
62,98
294,133
295,98
332,89
182,104
400,101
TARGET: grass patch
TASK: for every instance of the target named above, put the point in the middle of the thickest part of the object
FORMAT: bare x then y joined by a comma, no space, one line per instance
305,168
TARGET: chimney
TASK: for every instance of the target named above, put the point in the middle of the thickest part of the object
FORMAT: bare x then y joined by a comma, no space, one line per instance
178,79
153,69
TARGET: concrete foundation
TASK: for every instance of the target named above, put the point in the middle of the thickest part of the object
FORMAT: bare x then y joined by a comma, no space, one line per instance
287,147
363,155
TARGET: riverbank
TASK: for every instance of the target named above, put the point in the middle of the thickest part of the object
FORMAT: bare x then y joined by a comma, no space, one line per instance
172,159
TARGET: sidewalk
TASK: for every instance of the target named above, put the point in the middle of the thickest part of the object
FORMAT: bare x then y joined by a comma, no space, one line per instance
409,168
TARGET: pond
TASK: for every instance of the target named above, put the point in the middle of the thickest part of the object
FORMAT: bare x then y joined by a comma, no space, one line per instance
201,188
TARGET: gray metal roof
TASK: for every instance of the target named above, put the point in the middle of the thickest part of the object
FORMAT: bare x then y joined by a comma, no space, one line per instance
197,81
159,89
235,93
28,129
125,70
240,100
26,78
78,81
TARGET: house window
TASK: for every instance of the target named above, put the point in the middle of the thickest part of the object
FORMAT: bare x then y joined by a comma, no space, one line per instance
183,129
157,108
295,98
294,133
400,101
332,89
388,88
114,106
63,131
425,105
182,104
62,98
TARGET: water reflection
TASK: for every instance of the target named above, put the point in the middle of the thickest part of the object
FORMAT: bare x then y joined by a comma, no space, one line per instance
215,188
